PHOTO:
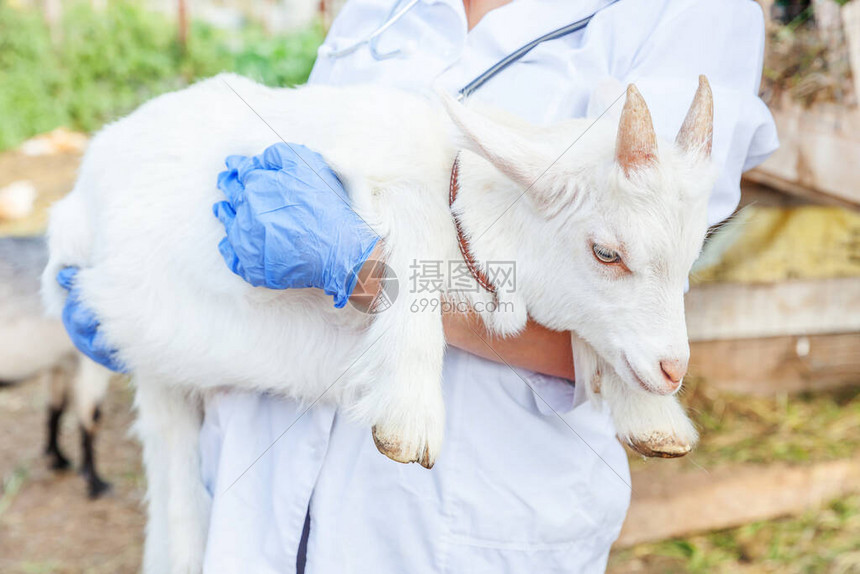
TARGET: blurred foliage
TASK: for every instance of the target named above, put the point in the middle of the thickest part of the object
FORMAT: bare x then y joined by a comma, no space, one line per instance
108,62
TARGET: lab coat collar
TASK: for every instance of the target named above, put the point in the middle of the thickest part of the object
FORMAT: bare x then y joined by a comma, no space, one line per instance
508,28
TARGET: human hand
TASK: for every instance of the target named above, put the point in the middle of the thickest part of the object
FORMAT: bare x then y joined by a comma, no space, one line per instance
289,224
82,325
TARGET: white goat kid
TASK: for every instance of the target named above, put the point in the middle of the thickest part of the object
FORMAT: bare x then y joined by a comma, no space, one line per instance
603,244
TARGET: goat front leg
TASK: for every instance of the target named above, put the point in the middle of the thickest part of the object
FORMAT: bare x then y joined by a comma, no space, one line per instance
401,365
168,425
652,425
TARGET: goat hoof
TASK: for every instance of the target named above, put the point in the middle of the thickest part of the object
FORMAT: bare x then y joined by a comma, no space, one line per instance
659,445
58,462
96,487
399,450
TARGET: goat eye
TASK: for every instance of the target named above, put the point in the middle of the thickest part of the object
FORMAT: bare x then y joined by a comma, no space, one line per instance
605,255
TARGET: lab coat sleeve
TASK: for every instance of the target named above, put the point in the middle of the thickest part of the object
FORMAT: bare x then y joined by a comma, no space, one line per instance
724,41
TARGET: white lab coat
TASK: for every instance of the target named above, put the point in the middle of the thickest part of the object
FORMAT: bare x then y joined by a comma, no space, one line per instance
515,489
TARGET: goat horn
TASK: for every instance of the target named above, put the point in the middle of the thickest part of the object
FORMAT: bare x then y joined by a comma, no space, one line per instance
636,146
697,131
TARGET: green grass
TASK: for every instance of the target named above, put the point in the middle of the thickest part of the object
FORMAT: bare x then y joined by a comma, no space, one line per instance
825,540
737,429
802,428
41,567
109,62
11,486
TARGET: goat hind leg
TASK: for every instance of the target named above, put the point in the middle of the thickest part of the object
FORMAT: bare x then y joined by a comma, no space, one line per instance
90,387
168,425
58,384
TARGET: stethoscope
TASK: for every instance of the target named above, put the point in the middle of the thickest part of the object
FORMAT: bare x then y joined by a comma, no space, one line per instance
372,40
397,12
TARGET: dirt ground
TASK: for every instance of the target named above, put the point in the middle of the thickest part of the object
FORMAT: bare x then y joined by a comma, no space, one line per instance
47,523
52,175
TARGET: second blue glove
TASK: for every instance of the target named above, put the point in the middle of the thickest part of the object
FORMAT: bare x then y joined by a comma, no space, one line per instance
82,325
289,223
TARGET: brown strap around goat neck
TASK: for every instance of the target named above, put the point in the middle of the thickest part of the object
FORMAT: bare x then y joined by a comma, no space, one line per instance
477,273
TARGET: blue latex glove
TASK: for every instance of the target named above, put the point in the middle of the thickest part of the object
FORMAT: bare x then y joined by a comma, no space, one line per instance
83,327
289,224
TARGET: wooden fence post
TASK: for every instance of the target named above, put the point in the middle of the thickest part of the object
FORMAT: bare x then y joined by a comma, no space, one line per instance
182,23
53,13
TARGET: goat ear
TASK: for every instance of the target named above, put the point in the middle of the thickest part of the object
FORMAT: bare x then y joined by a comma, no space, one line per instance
697,132
502,145
636,145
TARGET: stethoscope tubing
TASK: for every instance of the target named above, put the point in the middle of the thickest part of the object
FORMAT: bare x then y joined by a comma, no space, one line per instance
518,54
397,12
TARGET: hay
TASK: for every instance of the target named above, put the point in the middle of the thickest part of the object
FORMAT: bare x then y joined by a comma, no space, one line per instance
808,58
771,244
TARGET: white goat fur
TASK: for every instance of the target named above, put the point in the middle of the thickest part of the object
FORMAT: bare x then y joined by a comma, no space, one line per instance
185,324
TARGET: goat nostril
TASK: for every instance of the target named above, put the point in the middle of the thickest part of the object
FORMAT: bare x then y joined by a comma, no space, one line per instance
674,370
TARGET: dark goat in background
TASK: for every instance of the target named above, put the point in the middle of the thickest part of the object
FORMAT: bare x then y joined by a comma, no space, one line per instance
31,345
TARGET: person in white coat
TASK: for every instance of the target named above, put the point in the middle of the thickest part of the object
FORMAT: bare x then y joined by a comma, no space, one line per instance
531,478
